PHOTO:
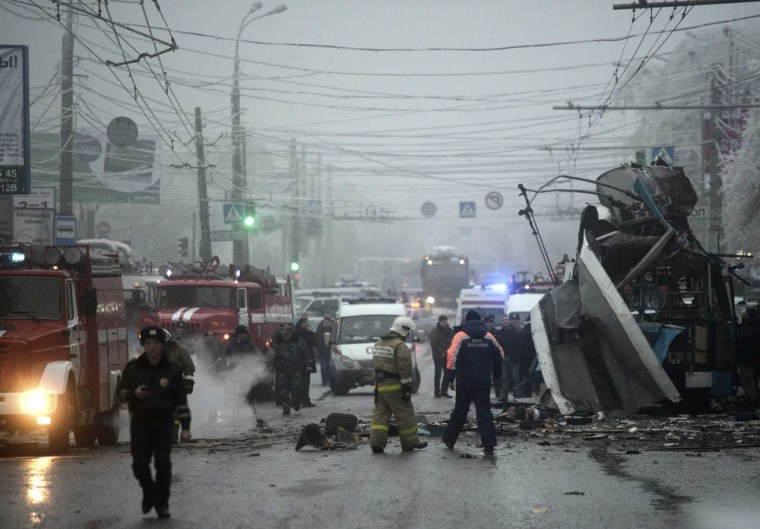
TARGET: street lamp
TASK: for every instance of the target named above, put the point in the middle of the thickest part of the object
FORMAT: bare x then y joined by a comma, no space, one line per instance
239,183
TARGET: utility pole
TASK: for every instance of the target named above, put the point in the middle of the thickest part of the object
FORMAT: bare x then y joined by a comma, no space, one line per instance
295,220
67,118
205,246
239,182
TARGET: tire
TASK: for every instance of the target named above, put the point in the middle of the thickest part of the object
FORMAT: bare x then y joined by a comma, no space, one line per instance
107,427
339,390
60,427
416,380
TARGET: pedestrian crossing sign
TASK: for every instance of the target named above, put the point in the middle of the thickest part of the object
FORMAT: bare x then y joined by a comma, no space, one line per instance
467,209
668,154
233,213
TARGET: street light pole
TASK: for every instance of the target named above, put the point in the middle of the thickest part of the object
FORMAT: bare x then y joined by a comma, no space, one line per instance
240,250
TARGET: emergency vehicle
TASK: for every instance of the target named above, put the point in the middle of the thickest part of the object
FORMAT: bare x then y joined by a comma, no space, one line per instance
63,343
205,306
487,300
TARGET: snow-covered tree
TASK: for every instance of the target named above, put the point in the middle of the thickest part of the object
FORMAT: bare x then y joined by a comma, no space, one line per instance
741,190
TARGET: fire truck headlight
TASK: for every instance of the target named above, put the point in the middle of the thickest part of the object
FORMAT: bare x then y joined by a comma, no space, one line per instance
37,402
225,337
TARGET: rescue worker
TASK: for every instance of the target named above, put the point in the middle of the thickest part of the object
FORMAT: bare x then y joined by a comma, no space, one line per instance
180,356
308,337
290,359
155,392
474,361
440,340
392,361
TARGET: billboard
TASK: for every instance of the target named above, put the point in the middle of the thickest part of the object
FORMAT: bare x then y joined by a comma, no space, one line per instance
104,171
14,120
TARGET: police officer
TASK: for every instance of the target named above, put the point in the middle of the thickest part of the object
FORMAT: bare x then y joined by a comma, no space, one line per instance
155,391
180,356
240,346
392,361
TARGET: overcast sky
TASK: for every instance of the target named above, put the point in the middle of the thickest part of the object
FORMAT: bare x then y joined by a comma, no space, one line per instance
405,101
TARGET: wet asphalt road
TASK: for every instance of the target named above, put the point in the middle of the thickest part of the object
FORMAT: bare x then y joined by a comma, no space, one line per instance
231,478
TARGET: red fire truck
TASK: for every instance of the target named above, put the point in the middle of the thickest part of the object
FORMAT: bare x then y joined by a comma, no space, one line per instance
62,343
205,306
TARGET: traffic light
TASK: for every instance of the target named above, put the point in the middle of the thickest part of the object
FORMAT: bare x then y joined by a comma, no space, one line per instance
294,266
183,244
249,217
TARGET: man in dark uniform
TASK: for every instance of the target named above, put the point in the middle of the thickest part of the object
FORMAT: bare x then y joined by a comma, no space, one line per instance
240,346
155,391
323,348
474,361
308,337
290,360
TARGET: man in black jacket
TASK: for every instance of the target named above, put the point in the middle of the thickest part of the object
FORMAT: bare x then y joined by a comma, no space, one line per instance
474,361
308,337
155,391
440,340
290,359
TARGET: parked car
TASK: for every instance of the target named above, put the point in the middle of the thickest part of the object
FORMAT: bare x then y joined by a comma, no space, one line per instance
424,320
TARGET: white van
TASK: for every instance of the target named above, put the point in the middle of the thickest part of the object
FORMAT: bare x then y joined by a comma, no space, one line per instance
486,300
359,324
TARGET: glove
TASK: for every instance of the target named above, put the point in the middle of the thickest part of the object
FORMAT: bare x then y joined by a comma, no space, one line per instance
406,392
189,385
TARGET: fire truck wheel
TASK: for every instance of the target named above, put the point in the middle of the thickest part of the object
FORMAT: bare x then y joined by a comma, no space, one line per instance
60,427
107,430
416,379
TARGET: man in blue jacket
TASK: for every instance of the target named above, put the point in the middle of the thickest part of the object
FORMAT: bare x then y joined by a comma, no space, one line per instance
474,360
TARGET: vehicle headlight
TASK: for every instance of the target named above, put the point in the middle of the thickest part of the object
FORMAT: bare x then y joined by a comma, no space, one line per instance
347,362
37,402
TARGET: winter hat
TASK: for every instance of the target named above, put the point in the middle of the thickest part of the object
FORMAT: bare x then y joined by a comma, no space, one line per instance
472,315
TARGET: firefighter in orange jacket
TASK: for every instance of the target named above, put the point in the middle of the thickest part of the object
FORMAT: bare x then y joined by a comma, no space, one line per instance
392,361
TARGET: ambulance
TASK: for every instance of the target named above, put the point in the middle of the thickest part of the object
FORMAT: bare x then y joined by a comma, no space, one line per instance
485,299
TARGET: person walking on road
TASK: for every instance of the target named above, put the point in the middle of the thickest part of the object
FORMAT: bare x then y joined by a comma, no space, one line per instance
290,360
308,337
392,361
474,361
440,340
323,349
154,389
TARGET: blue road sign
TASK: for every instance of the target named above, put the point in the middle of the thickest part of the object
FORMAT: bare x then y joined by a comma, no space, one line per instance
667,153
233,213
467,209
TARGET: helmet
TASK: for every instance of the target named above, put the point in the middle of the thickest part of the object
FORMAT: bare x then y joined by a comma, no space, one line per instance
241,329
402,325
152,332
